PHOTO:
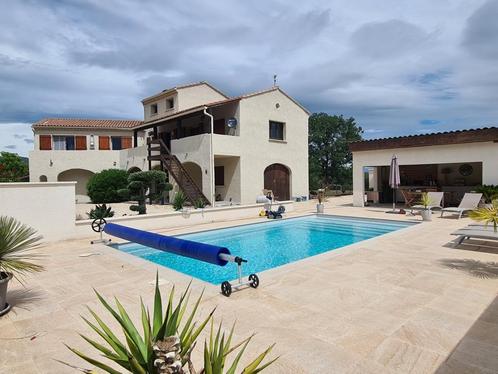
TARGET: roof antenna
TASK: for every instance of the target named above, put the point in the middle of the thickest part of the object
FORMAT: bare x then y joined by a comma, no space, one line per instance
274,80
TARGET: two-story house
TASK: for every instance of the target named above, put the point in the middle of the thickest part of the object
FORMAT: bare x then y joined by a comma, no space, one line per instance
214,147
75,149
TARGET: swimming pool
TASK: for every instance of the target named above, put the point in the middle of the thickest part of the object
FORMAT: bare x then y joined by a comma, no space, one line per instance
269,244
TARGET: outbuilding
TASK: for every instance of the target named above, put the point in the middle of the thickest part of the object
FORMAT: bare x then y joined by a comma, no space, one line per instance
454,162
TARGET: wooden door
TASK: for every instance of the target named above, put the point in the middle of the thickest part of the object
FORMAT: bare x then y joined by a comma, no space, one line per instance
277,179
219,126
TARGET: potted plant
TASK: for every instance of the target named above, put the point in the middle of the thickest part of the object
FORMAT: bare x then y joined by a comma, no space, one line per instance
488,214
16,242
426,202
321,199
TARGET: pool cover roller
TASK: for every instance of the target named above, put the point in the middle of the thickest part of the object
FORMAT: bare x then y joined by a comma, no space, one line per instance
199,251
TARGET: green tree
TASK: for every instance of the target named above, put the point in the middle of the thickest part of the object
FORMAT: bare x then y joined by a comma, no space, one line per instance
144,185
12,167
103,187
330,161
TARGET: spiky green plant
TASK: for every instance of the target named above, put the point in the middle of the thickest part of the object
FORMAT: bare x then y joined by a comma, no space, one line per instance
143,353
199,204
16,243
425,200
179,200
487,215
218,348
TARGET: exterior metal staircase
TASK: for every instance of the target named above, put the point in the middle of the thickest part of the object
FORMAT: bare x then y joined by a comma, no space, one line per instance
176,170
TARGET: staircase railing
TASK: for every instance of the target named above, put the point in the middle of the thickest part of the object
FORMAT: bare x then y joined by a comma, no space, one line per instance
177,171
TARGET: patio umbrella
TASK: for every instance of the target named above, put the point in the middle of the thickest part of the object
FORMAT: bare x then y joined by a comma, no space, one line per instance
394,180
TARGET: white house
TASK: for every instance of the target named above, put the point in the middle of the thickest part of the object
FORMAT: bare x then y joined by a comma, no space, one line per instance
214,147
454,162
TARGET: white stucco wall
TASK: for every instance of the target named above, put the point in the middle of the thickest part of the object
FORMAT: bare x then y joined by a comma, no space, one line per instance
257,151
190,97
486,152
47,207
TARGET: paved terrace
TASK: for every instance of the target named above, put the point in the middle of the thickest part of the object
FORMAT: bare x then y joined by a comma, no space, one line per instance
403,303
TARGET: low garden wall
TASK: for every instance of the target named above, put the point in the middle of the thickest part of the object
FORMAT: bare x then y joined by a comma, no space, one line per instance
48,207
178,219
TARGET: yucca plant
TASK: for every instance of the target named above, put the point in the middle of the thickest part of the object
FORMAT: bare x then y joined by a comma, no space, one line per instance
487,215
425,200
166,343
16,243
100,211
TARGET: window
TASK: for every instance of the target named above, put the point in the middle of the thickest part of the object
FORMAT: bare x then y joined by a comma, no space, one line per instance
276,130
170,103
116,143
63,142
104,143
45,142
219,175
153,109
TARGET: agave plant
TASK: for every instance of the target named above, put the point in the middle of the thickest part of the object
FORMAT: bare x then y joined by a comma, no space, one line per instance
216,352
100,211
167,341
487,215
16,243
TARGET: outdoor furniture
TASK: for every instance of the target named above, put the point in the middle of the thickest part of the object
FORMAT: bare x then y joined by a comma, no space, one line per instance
436,199
410,197
476,232
469,202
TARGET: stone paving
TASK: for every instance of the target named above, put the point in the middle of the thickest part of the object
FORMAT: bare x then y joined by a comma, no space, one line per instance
406,302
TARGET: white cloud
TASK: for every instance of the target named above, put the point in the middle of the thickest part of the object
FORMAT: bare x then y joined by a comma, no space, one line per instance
390,65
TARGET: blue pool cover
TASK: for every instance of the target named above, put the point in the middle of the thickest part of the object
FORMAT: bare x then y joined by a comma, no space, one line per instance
188,248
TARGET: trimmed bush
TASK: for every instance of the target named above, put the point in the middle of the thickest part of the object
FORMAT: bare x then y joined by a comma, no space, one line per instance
103,187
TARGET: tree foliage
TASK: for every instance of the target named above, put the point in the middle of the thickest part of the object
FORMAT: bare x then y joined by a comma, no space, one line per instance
12,167
330,161
103,187
144,185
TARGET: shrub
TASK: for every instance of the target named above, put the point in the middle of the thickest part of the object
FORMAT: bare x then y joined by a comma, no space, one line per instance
103,187
100,211
144,185
489,192
199,204
179,200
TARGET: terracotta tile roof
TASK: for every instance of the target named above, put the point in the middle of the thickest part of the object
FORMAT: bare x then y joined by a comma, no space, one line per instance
85,123
484,134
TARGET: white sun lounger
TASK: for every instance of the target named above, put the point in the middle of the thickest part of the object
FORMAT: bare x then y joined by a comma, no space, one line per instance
469,202
436,199
476,232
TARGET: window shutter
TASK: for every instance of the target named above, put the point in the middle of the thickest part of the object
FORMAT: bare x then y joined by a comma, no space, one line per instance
104,143
45,142
81,143
126,142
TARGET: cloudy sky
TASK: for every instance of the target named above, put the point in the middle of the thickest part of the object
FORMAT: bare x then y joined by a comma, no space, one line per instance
398,67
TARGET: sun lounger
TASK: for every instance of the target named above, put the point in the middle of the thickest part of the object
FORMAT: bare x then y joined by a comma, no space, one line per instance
436,199
469,202
476,232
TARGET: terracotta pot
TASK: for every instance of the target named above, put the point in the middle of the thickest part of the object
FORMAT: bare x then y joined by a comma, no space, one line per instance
4,282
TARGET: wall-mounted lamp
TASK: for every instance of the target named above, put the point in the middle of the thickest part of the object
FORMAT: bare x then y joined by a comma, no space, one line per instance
114,163
51,163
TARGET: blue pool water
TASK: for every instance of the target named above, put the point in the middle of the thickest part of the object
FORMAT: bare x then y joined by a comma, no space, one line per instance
270,244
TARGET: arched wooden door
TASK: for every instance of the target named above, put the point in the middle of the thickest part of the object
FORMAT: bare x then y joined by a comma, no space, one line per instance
277,179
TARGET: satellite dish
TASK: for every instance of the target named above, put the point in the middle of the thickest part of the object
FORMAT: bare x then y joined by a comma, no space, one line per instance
232,123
